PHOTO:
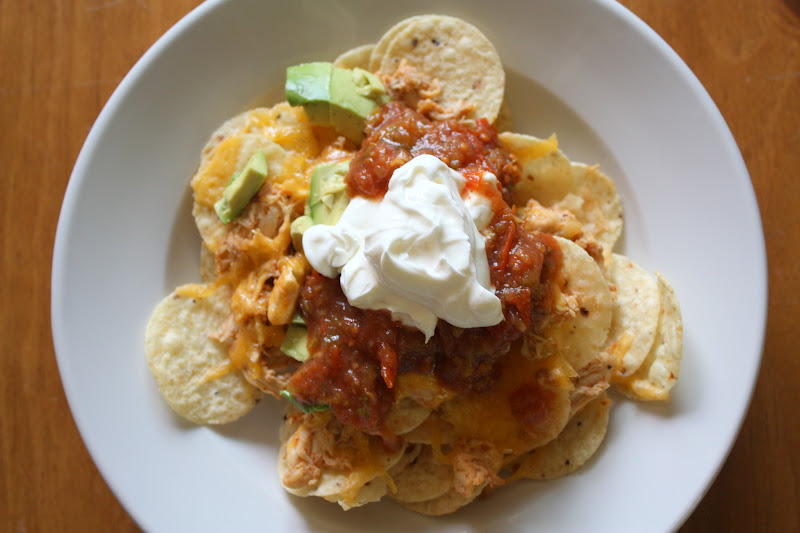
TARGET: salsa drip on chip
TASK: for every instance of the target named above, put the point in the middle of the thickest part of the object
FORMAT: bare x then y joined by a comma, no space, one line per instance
350,236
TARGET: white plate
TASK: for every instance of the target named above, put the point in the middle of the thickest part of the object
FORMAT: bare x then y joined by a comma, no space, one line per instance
589,70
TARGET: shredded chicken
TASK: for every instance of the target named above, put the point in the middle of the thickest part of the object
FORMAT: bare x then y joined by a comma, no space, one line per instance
593,379
554,221
562,223
319,443
474,464
407,85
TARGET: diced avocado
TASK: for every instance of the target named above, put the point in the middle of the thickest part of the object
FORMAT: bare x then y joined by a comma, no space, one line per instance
370,86
297,319
349,109
309,85
327,197
242,187
338,97
298,227
295,343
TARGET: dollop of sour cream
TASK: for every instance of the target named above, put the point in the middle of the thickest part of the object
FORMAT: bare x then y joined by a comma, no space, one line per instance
417,252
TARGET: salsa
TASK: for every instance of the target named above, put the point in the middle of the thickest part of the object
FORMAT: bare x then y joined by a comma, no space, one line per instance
356,353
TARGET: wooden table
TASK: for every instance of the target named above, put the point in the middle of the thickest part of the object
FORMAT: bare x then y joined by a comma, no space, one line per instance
59,62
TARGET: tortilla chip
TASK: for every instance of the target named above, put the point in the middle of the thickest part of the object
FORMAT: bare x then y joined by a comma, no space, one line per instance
547,175
404,416
456,54
355,58
409,456
596,204
211,178
232,126
189,366
376,56
637,303
659,372
551,179
571,449
423,479
581,334
447,503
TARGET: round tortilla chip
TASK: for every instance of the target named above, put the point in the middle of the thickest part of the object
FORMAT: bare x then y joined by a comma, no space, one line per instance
580,336
551,179
574,446
447,503
355,57
376,56
547,175
596,204
405,416
371,491
637,303
229,128
457,54
411,452
423,479
184,360
659,372
212,230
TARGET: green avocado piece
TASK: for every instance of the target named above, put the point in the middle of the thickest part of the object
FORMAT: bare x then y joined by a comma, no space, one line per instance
308,85
370,86
242,187
295,343
327,196
333,96
297,319
349,108
298,227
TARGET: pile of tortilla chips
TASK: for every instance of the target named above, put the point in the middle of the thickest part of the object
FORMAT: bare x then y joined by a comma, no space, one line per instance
214,348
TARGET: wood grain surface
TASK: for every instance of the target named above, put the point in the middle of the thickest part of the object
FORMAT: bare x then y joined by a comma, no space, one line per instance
60,60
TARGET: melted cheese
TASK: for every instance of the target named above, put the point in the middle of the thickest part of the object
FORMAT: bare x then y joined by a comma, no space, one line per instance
539,149
216,172
489,416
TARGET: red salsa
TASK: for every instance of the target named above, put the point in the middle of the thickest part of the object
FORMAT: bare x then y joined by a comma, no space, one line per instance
356,353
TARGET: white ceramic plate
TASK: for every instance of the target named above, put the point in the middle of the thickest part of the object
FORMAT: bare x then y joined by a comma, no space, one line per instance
615,93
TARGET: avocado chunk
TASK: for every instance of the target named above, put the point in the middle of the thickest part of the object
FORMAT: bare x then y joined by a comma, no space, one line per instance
333,96
309,85
348,108
298,227
327,197
242,187
295,343
297,319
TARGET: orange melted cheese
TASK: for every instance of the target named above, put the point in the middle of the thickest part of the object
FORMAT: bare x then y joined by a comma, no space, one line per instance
216,172
539,149
282,124
491,416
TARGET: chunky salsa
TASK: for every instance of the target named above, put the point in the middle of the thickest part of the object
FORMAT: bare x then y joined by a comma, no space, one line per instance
357,354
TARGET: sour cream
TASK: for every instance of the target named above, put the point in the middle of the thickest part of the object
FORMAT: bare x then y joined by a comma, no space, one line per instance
417,252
